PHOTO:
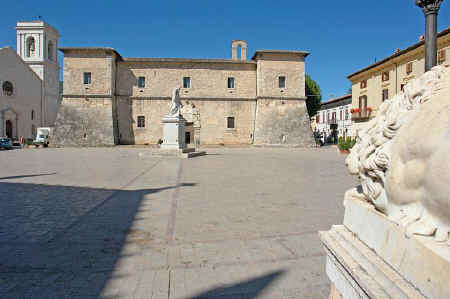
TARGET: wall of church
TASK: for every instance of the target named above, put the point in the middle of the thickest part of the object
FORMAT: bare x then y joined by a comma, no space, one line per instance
26,96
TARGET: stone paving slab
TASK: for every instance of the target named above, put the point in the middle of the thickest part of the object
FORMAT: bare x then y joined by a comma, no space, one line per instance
119,223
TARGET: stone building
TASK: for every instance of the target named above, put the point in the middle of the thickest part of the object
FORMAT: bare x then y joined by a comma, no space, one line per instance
109,99
334,116
29,80
382,80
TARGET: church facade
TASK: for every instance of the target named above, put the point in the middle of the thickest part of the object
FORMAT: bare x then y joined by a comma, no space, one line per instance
109,99
29,81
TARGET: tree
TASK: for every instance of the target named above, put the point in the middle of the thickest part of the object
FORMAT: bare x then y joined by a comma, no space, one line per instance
313,96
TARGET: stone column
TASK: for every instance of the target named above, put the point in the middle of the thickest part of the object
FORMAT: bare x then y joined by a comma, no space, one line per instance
430,9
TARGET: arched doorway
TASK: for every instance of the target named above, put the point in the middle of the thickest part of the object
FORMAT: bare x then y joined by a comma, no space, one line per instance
9,128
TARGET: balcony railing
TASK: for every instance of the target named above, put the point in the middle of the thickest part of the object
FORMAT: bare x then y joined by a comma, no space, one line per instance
359,114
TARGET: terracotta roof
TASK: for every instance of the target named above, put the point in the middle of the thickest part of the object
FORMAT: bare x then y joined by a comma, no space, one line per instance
338,99
410,48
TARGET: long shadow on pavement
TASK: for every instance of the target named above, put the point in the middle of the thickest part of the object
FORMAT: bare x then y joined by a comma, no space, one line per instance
248,289
63,241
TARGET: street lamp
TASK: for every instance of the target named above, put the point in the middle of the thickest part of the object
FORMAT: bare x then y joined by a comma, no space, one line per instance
430,9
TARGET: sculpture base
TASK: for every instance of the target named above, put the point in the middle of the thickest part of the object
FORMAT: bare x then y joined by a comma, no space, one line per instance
173,128
370,257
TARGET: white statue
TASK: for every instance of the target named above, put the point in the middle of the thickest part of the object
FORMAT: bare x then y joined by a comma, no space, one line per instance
175,105
402,157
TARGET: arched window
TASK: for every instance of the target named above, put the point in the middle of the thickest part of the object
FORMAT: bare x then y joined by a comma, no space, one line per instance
32,114
239,52
50,50
7,88
31,47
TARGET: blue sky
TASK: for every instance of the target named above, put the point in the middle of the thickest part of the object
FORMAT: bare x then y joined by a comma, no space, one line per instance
342,36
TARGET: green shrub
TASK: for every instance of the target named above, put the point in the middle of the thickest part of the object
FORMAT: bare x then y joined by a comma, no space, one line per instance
347,143
28,141
160,141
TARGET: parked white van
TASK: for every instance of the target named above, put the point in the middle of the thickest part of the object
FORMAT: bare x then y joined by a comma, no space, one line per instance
42,136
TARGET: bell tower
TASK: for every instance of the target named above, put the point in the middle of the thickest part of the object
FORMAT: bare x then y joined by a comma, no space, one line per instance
37,45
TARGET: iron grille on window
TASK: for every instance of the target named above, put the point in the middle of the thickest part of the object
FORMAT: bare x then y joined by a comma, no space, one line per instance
141,121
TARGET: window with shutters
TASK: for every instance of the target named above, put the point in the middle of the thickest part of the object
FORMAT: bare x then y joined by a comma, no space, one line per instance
441,56
362,102
141,121
385,76
409,68
363,84
346,113
340,115
385,95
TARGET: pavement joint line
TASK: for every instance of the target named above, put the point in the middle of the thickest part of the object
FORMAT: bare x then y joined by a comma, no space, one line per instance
280,241
170,232
238,263
256,238
102,203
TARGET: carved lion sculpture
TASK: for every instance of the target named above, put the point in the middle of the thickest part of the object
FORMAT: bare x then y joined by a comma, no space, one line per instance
402,157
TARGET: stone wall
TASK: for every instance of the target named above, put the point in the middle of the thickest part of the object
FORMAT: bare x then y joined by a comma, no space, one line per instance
283,122
88,115
207,103
209,117
84,122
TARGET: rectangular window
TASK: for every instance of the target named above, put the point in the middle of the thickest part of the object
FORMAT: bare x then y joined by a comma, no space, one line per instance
282,82
230,82
187,82
441,56
409,68
340,115
230,122
363,84
385,95
141,121
141,82
87,77
385,76
346,113
402,86
318,118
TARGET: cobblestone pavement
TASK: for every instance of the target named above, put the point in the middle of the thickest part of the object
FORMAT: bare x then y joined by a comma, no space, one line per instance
121,223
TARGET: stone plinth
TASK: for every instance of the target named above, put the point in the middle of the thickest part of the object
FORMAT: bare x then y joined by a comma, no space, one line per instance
173,128
370,257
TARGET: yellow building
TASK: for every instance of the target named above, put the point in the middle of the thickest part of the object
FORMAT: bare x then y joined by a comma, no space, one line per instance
382,80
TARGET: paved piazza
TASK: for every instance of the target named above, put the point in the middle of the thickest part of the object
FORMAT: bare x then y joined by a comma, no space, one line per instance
121,223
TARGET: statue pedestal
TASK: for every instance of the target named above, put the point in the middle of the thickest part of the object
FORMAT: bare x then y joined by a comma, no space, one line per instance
370,257
173,133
